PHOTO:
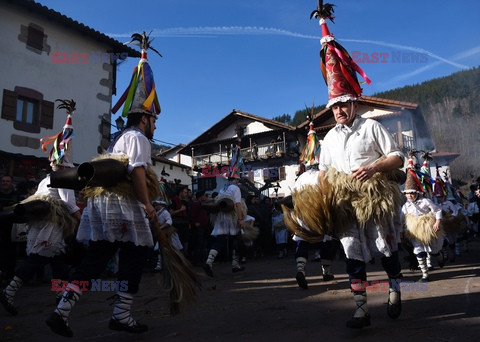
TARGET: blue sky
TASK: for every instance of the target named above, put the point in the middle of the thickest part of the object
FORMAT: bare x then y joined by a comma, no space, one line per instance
262,56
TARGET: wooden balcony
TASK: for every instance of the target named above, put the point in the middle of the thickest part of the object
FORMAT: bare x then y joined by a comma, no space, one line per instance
263,152
406,143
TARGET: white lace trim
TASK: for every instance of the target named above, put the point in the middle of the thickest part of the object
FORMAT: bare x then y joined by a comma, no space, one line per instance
326,39
343,98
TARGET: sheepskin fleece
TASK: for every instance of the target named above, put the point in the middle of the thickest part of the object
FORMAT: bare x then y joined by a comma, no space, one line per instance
339,199
58,214
420,228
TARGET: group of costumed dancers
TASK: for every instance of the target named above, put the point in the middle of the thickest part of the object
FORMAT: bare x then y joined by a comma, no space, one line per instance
120,187
350,191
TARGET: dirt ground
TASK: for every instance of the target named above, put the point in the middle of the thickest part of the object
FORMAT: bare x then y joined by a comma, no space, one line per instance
264,303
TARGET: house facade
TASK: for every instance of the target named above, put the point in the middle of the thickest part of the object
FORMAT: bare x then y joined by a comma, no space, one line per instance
48,56
269,152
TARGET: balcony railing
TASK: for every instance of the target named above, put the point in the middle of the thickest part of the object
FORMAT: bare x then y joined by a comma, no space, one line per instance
408,142
274,149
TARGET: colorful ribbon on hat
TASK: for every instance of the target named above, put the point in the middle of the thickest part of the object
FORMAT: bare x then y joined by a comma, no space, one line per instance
310,149
60,142
144,73
335,61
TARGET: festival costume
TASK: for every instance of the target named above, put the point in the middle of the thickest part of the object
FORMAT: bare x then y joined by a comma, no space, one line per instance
325,246
455,219
114,220
48,228
419,217
165,217
280,232
364,215
226,228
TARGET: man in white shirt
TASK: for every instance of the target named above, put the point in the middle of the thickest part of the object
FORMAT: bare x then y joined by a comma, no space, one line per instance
227,225
354,147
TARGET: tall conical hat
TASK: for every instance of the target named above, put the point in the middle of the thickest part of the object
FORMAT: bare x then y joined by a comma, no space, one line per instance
412,184
140,96
311,151
338,68
61,152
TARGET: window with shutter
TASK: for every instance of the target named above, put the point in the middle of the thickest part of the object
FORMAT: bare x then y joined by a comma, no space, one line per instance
206,183
35,37
27,109
9,105
46,115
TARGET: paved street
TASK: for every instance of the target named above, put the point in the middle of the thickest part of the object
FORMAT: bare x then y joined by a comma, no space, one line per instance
264,303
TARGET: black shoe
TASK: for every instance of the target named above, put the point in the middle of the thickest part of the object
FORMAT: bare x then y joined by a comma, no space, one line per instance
328,277
394,310
431,268
301,281
441,262
6,305
424,280
136,328
58,325
359,322
238,269
208,270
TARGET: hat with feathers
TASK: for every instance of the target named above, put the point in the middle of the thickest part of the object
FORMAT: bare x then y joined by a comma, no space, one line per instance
61,152
338,69
140,95
412,184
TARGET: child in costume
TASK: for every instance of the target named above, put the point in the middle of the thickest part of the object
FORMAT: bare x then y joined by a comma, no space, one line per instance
422,219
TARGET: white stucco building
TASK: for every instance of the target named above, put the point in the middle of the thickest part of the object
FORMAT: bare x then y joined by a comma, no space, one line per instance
48,56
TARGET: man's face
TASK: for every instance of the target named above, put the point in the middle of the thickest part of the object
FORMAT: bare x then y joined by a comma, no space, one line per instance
150,126
441,199
6,184
184,194
343,112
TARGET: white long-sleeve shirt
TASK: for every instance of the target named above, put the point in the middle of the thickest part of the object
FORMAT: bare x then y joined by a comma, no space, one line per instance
421,206
348,148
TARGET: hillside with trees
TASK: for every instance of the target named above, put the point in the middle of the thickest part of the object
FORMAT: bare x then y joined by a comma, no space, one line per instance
451,107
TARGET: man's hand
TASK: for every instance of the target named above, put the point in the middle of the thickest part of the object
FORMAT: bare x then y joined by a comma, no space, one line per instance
363,173
150,212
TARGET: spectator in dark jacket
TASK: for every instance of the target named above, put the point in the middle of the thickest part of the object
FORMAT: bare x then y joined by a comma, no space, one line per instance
200,229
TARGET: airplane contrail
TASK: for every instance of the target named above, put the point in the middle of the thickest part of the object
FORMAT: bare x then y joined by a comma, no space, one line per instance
213,31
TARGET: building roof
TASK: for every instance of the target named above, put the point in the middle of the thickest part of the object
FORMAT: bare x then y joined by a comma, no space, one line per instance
175,148
444,158
230,118
323,120
161,159
53,15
